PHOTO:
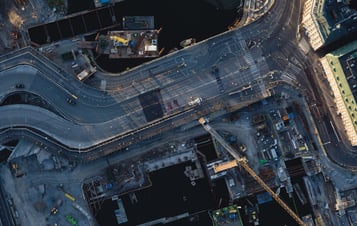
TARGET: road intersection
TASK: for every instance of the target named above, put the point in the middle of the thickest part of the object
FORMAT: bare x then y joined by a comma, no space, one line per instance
249,61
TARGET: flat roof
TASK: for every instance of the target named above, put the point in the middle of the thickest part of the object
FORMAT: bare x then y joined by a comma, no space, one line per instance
225,166
333,19
227,216
335,64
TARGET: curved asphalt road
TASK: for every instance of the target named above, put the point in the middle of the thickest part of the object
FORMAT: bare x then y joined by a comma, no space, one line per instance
99,117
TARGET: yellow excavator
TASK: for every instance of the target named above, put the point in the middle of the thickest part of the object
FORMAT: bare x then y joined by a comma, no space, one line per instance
120,40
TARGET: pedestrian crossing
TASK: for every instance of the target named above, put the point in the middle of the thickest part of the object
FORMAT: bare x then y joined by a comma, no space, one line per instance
292,69
254,71
242,44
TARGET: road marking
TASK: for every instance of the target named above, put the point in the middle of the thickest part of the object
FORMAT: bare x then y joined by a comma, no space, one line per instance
334,130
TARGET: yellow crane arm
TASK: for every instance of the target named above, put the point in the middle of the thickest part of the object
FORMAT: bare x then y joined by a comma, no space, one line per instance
244,164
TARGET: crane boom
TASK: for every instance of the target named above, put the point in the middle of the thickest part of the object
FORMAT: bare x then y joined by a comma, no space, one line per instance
243,162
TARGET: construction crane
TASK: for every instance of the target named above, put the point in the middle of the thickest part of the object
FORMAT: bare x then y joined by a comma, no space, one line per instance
243,162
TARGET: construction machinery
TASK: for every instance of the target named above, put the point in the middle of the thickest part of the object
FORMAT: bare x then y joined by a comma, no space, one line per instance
118,39
16,168
244,163
71,220
70,197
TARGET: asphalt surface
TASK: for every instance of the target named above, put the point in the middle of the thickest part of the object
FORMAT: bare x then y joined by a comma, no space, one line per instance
108,114
248,60
5,214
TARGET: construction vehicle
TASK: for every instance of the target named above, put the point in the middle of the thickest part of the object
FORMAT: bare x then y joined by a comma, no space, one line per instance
54,211
71,220
16,168
196,101
118,39
244,163
70,197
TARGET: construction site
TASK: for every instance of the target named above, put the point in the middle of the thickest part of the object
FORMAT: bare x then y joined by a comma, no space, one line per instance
246,170
137,38
258,153
129,44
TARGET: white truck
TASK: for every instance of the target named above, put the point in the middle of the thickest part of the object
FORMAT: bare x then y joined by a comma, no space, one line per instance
273,154
196,101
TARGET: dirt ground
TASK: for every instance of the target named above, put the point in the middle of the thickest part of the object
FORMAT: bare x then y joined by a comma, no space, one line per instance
15,19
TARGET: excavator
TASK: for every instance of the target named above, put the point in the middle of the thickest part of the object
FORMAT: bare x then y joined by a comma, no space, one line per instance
119,39
242,161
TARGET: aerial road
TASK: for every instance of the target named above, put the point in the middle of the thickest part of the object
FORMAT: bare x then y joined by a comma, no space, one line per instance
5,214
99,116
86,119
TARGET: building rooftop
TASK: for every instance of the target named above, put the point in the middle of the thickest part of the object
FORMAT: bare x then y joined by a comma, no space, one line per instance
227,216
326,21
341,71
341,19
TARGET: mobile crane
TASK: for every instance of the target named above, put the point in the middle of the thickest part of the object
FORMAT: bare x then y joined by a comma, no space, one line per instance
244,163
